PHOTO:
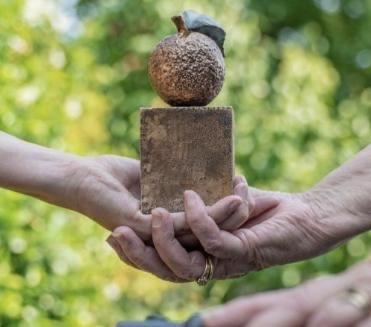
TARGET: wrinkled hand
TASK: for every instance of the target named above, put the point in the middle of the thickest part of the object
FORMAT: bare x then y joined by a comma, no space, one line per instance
170,261
281,228
320,302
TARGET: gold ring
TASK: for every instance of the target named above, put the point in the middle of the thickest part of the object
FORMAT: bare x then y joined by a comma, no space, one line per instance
208,272
359,299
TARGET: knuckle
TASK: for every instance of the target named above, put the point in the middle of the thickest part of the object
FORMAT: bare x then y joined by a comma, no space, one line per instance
163,240
173,243
190,271
213,246
167,235
196,260
195,217
255,256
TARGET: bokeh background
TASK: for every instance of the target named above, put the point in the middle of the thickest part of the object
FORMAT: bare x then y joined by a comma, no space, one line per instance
72,77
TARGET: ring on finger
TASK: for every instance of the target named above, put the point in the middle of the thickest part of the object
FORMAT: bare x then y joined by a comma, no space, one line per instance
358,298
208,272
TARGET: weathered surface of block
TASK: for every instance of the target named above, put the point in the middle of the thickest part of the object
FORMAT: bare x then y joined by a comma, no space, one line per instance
185,148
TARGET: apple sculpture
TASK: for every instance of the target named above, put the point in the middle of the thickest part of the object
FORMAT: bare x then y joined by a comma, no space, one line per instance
187,68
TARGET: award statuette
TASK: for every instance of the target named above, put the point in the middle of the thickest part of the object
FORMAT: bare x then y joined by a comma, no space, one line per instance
187,146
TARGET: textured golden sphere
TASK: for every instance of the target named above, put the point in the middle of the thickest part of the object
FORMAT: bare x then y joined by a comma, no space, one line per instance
187,69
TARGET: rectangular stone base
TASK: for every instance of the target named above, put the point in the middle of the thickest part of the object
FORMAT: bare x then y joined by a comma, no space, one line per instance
185,148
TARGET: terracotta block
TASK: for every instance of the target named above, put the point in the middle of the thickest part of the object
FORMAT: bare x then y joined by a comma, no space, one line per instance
185,148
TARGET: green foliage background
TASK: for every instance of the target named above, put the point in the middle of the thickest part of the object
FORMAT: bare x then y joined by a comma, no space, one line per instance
73,75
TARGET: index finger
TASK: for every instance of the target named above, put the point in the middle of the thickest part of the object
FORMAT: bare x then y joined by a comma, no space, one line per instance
219,211
216,242
188,266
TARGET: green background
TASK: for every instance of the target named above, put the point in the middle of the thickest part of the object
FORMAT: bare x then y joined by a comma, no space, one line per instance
72,77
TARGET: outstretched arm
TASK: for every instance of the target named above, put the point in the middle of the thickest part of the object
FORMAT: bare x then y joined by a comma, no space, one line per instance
104,188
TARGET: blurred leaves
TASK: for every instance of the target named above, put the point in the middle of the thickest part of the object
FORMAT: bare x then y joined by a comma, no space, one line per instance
73,75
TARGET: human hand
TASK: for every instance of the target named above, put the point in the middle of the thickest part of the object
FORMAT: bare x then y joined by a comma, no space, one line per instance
338,301
169,260
282,228
104,188
107,189
301,226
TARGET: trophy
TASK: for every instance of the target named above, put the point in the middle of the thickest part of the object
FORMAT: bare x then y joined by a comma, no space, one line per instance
187,146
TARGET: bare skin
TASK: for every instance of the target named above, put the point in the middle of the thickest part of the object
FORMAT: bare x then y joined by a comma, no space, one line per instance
320,302
281,228
103,188
169,260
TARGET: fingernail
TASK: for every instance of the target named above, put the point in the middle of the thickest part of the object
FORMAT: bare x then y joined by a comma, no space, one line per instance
156,219
115,234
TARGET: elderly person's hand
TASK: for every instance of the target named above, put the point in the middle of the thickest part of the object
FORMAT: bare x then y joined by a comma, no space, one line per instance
170,261
281,228
338,301
296,227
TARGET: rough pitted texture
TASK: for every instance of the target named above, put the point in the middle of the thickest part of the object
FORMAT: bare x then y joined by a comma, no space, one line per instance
187,70
182,149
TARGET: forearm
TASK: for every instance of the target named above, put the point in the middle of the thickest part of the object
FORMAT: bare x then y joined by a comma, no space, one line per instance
97,187
346,194
34,170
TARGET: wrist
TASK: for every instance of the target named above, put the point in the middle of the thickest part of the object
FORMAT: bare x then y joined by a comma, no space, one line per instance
35,170
337,212
52,178
60,185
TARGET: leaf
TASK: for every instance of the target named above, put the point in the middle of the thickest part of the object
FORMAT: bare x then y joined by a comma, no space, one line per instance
206,25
